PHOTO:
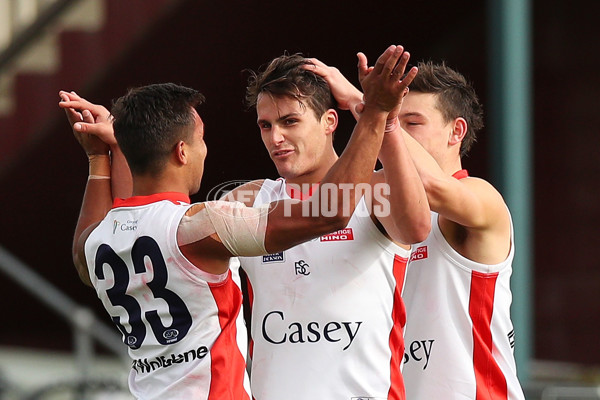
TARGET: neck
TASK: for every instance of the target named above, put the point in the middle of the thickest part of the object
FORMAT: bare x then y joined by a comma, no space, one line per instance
449,162
451,167
146,185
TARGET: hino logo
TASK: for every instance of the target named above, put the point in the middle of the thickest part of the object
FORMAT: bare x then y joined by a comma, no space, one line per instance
276,330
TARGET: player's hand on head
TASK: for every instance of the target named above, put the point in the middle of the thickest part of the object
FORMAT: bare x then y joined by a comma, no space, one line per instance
344,92
99,122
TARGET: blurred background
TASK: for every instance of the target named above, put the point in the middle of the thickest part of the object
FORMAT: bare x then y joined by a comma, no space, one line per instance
533,63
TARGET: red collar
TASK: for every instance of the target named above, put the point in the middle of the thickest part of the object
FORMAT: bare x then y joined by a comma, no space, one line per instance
174,197
463,173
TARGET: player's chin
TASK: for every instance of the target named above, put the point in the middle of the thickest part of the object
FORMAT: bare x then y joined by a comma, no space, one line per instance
285,170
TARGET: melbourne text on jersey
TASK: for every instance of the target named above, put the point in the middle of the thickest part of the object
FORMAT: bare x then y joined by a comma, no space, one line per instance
276,330
145,365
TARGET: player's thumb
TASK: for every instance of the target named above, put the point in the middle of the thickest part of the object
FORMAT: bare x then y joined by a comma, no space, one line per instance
81,127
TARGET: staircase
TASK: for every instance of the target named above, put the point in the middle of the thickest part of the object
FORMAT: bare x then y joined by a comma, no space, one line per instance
69,44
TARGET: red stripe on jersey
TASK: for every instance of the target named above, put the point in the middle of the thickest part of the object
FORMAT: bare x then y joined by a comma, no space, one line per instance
250,305
227,363
397,391
490,381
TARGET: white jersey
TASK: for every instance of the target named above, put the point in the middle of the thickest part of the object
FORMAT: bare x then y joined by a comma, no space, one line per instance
180,323
459,336
327,315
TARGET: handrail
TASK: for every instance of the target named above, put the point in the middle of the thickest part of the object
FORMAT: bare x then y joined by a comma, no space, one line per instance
22,40
80,317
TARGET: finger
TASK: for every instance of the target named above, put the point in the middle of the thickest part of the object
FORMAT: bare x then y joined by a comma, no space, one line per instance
88,128
316,67
73,115
316,63
402,63
392,61
97,111
363,69
382,60
408,78
87,116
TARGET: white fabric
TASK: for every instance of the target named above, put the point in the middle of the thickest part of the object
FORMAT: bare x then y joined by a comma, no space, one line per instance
186,321
448,297
322,324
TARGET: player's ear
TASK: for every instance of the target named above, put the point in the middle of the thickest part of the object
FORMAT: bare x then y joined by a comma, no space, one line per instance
459,130
330,121
181,153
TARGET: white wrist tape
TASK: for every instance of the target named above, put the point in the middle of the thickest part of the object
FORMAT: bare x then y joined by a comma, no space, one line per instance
241,229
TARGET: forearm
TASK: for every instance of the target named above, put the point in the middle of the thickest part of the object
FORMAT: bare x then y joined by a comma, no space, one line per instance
356,164
437,184
408,205
97,198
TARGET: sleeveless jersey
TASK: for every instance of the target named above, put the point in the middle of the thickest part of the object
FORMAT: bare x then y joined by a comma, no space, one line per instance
459,336
327,315
182,325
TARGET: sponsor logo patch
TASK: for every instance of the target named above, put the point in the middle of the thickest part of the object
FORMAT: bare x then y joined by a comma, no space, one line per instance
341,235
275,257
419,254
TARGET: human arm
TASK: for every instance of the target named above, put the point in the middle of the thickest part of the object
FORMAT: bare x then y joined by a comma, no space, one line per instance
473,216
97,198
404,208
347,96
99,123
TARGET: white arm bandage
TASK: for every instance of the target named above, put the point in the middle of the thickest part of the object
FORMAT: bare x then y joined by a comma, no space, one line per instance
241,229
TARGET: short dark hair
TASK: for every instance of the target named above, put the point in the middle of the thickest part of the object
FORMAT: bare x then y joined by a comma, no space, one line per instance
285,76
456,97
150,120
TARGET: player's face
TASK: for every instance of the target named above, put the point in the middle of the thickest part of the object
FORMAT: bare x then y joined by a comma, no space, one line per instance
295,138
421,118
199,151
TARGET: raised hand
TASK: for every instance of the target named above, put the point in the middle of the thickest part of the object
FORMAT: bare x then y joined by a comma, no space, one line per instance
98,122
383,84
92,144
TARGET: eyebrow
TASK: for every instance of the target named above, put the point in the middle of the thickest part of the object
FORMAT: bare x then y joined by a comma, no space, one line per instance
282,118
412,114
